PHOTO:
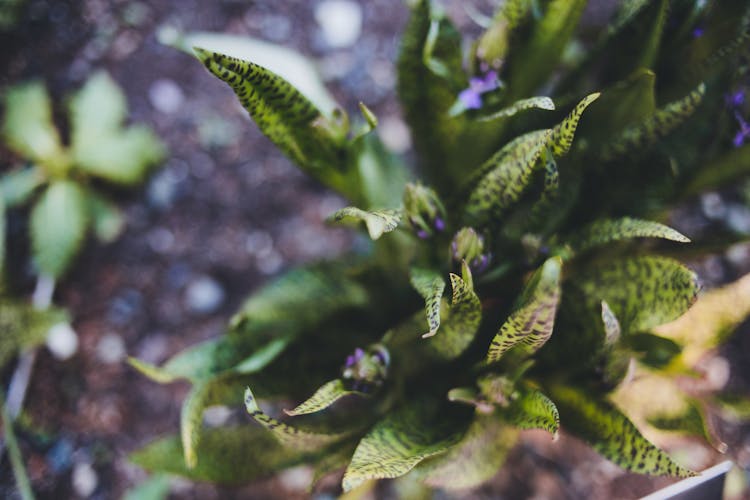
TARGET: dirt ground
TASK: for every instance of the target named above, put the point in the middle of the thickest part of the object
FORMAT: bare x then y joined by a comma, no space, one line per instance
225,213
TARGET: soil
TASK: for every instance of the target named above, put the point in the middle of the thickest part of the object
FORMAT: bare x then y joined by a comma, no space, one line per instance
226,209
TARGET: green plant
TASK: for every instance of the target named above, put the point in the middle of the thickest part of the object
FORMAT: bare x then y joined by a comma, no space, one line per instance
552,290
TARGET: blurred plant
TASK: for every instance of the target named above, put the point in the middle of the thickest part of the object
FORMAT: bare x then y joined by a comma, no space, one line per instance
552,293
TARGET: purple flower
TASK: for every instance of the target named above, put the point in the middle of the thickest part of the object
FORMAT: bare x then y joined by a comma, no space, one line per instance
698,32
743,133
471,97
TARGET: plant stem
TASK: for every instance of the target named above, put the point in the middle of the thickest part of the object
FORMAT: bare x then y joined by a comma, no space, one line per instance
19,384
14,452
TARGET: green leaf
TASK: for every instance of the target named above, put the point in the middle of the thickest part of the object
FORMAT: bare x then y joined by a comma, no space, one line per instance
492,46
537,58
605,231
462,319
17,186
692,421
228,455
28,128
474,459
59,221
191,418
730,166
286,434
642,135
122,157
23,326
518,106
531,325
504,178
655,351
643,292
610,433
14,454
396,444
561,138
97,110
377,221
426,97
324,397
283,114
108,220
430,285
533,410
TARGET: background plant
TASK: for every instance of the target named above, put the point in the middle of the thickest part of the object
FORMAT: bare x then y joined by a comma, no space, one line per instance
541,202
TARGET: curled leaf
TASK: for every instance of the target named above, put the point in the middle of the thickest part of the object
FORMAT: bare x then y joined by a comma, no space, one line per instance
533,410
324,397
430,286
518,106
462,322
377,221
532,324
606,231
561,138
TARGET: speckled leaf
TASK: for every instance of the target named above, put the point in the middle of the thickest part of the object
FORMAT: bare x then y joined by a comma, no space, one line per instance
533,410
605,231
28,128
191,420
282,113
324,397
518,106
474,459
59,221
561,138
504,178
430,286
531,325
377,221
287,434
395,445
692,421
492,46
643,292
23,327
640,136
462,321
228,455
610,433
17,186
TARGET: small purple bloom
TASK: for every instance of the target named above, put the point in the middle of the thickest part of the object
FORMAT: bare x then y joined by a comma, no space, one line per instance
350,361
743,134
470,99
358,355
422,234
698,32
478,85
439,224
737,99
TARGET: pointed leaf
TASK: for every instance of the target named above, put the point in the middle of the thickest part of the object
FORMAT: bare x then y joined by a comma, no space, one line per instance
59,221
474,459
612,330
97,110
28,127
283,114
533,410
17,186
286,434
661,123
518,106
324,397
532,324
377,221
643,292
395,445
191,420
108,220
228,455
430,286
122,156
692,421
504,178
605,231
611,433
462,322
562,135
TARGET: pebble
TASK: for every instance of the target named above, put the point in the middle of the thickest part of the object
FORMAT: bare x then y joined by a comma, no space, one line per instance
713,206
125,306
166,96
340,21
738,218
395,134
60,456
163,189
269,263
297,478
276,28
152,349
62,341
84,479
110,349
204,295
216,416
161,240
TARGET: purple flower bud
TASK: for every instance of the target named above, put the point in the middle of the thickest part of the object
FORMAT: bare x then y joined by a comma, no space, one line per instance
439,224
737,99
350,361
698,32
358,355
470,98
422,234
739,139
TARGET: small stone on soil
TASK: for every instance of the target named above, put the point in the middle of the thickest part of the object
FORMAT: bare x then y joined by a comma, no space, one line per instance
84,479
62,341
341,22
110,349
204,295
166,96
